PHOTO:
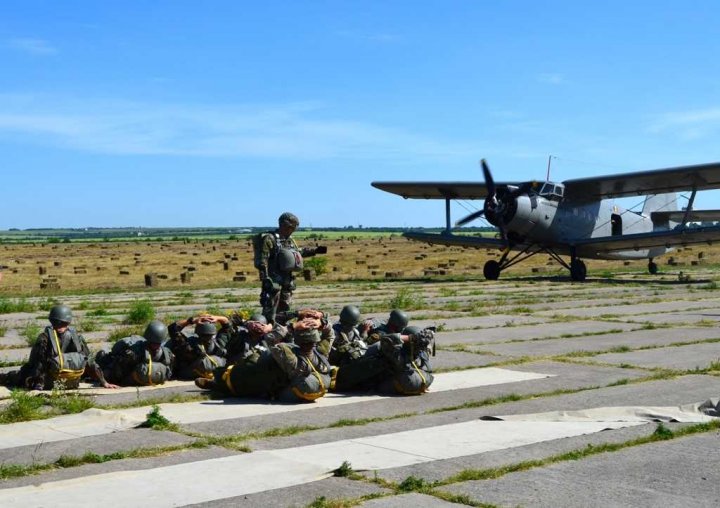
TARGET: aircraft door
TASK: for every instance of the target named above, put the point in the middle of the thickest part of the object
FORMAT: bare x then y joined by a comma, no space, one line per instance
616,224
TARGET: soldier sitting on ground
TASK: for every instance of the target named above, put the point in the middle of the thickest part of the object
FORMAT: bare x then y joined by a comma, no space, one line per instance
408,354
348,343
247,337
136,360
308,372
372,329
395,363
60,354
198,355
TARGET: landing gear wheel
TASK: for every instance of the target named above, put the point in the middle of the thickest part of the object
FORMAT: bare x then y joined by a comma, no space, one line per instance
578,270
491,270
652,267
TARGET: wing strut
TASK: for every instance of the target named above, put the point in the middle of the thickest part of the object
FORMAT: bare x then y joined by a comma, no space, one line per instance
689,207
448,227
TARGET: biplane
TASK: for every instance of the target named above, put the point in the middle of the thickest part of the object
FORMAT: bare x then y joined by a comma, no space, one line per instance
576,218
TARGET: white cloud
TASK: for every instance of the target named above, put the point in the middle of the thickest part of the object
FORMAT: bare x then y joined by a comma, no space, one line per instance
551,79
298,131
32,46
693,124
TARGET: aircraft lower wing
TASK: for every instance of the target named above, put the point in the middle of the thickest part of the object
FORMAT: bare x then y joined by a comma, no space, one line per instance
456,240
669,238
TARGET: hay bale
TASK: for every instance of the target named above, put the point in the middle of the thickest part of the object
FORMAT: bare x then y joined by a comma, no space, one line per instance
124,272
151,280
42,270
308,274
57,263
239,278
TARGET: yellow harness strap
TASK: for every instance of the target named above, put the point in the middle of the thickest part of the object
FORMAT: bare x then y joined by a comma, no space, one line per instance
68,374
226,379
423,388
312,395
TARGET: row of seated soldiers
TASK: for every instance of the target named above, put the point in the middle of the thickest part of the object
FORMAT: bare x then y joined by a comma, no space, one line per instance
299,357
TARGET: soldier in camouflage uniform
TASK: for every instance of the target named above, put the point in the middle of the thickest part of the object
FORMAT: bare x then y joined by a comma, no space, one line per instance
136,360
266,363
198,355
348,344
60,353
277,259
246,338
371,330
408,354
308,372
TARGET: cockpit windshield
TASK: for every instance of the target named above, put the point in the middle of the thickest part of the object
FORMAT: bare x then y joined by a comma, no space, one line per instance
551,190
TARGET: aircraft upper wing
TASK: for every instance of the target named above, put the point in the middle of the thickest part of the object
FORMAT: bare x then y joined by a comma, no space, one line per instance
669,238
659,181
692,216
438,190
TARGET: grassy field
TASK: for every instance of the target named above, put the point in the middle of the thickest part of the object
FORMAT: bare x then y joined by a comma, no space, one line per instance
118,266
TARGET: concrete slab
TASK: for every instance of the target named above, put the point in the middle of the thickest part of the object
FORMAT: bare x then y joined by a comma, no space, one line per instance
47,452
670,473
406,501
635,339
567,376
695,356
464,323
537,331
690,317
445,360
301,495
634,310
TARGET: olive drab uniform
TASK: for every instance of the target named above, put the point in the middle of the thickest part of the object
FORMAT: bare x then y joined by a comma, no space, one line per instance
409,362
309,375
360,368
55,357
130,363
242,344
278,259
193,358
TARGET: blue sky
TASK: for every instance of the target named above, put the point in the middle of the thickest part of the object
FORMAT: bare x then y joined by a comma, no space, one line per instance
186,113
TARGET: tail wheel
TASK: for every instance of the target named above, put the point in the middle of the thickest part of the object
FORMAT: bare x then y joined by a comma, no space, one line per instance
491,270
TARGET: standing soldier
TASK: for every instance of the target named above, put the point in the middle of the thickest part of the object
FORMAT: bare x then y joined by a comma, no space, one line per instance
278,258
59,354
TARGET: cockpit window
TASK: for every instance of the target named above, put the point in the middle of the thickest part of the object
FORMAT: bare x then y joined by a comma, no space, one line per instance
552,190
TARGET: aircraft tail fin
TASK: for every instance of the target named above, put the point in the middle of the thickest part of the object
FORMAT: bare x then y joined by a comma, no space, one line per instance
661,203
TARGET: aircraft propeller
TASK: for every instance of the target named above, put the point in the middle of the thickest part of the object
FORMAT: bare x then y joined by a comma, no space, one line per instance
493,208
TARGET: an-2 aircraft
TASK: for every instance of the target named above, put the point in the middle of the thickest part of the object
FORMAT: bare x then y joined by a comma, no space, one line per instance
575,218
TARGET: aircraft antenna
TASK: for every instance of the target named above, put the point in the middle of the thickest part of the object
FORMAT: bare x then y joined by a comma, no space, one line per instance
547,178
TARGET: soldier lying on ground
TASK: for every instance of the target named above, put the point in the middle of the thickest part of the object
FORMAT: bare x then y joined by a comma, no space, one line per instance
199,354
396,363
136,360
290,371
59,354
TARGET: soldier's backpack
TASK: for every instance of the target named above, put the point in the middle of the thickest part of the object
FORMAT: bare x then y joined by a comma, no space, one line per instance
66,366
257,242
151,373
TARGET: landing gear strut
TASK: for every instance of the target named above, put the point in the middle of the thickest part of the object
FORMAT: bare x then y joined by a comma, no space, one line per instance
578,270
652,267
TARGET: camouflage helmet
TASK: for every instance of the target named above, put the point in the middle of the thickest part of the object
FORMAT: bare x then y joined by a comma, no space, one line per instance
156,332
59,315
259,317
205,328
306,337
289,219
350,315
412,330
398,319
